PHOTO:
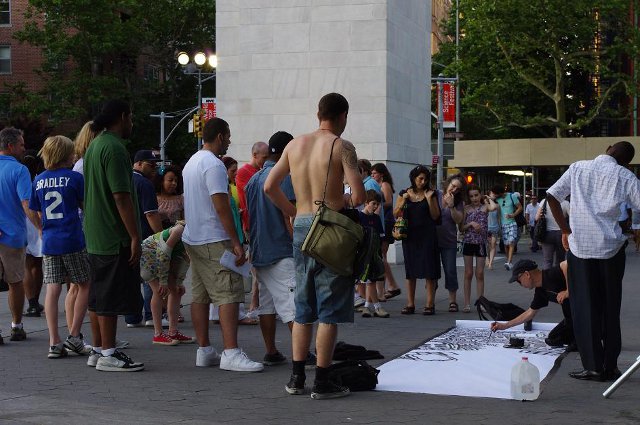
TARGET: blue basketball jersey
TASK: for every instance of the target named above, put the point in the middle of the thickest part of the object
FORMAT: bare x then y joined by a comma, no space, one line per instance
57,195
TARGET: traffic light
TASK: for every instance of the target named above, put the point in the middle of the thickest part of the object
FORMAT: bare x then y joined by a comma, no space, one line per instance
197,125
471,178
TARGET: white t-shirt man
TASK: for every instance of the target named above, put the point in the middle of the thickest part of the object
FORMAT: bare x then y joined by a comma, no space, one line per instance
203,175
531,211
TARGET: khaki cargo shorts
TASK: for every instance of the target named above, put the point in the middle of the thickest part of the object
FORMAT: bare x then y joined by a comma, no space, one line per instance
211,282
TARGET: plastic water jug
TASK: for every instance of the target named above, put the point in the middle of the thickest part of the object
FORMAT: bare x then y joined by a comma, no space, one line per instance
525,381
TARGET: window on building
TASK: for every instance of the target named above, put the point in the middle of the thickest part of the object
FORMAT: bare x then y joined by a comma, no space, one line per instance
5,59
5,12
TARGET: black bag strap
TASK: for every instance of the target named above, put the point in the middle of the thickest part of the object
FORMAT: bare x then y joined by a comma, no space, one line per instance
326,183
543,213
479,307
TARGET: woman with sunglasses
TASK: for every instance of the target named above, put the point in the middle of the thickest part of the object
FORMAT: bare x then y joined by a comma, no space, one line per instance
420,207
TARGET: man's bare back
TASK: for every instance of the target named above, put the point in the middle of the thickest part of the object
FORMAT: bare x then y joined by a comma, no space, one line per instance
308,158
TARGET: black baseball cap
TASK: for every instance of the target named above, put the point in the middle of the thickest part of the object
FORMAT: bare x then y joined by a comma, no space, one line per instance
520,267
146,155
278,142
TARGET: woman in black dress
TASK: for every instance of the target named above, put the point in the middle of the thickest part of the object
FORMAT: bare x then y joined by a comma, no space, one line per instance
420,249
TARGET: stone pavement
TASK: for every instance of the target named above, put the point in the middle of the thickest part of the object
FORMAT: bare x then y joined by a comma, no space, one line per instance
36,390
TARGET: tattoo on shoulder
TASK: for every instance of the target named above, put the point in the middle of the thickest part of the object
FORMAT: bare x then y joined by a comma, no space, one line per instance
349,156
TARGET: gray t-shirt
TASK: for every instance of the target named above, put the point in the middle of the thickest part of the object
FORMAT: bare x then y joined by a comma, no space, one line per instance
447,231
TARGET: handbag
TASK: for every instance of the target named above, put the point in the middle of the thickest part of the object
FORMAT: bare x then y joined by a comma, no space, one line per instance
401,226
540,231
333,239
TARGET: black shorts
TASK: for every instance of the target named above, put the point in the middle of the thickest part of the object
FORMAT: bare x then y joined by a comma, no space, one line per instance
115,285
474,250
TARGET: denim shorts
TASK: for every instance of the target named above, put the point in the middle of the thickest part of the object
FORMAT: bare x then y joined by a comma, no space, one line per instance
321,295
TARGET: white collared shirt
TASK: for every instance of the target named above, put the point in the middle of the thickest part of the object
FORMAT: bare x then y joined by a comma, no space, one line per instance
597,188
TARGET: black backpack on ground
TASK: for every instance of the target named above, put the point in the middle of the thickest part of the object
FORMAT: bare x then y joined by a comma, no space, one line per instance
357,375
498,311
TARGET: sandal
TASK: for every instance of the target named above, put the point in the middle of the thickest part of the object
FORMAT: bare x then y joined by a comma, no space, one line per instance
408,310
248,321
392,293
453,307
467,309
429,311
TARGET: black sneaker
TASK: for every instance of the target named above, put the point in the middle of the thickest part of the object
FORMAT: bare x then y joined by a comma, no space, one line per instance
274,359
328,389
18,334
311,361
34,311
295,385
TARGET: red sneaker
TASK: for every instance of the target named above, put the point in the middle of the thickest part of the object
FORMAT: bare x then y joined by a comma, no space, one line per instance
164,339
181,339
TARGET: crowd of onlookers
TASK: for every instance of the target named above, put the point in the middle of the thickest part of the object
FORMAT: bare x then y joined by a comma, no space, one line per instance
122,234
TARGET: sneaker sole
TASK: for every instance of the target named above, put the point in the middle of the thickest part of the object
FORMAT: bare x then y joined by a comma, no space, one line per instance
294,391
56,356
173,342
382,316
326,396
119,369
237,369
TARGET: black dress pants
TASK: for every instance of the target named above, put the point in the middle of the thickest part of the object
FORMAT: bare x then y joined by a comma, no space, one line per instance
595,289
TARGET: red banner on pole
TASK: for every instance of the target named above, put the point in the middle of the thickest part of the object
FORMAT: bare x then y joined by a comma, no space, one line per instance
449,105
208,108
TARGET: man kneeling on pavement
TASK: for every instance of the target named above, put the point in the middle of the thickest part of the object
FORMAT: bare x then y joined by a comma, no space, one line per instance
549,285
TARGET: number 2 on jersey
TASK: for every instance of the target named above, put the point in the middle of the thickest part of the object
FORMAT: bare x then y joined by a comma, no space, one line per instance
57,200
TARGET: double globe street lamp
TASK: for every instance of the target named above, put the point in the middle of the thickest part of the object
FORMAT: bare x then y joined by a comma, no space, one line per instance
194,66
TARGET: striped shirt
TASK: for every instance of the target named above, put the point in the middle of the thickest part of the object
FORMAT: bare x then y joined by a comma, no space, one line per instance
597,188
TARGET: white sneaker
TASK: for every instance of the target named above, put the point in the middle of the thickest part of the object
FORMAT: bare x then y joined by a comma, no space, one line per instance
204,359
239,362
93,358
358,301
135,325
118,362
149,323
508,266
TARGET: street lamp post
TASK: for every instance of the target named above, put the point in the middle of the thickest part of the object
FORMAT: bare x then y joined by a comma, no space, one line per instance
199,60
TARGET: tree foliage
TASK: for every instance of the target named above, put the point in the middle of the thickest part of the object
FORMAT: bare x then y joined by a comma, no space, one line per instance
94,50
543,68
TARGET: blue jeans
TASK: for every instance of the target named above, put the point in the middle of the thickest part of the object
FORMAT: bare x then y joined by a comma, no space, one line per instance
448,258
320,294
137,318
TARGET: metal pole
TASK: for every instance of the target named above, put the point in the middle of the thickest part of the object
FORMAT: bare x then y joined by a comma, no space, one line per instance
440,132
622,378
162,152
199,101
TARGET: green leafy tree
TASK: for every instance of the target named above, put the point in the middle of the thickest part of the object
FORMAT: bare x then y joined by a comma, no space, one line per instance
95,50
544,68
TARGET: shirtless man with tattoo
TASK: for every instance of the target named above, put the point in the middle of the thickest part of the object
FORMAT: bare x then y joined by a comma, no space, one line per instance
321,295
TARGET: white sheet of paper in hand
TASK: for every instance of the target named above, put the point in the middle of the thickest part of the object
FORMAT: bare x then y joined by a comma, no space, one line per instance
228,260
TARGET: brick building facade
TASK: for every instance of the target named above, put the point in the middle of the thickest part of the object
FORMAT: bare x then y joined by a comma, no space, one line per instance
17,60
